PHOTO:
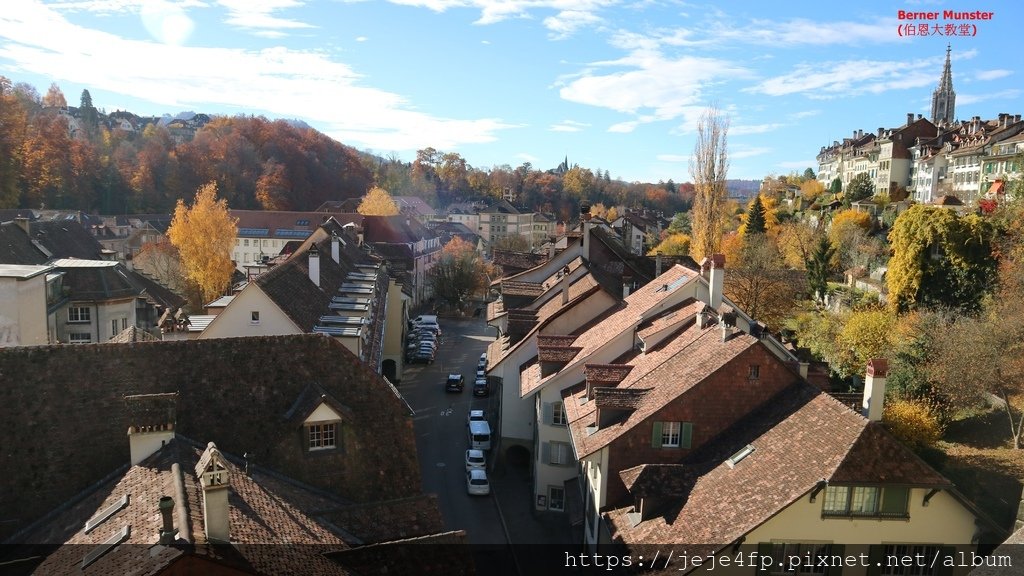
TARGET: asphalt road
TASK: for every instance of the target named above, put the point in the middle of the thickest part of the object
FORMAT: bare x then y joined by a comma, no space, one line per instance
441,436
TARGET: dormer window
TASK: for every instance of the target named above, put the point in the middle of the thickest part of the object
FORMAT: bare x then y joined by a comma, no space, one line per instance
323,436
79,315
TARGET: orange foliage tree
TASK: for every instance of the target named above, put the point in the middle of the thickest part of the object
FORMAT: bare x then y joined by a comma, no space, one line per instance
377,202
204,235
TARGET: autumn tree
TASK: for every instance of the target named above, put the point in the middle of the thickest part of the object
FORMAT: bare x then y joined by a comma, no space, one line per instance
377,202
939,259
13,127
795,239
55,97
760,284
511,243
810,190
847,230
161,261
709,167
204,235
865,334
458,274
677,244
612,215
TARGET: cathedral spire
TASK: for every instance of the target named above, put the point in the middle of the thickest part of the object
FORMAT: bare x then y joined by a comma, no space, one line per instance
944,98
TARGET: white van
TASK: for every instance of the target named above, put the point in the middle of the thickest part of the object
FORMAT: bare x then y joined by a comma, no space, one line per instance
479,435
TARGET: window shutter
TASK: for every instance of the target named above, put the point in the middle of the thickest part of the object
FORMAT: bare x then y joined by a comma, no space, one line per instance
837,569
685,434
545,453
764,549
875,554
548,412
656,435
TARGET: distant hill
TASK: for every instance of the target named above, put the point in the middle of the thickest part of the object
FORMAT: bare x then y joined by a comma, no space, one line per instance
742,189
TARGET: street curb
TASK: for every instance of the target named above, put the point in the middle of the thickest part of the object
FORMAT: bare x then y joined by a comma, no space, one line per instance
508,538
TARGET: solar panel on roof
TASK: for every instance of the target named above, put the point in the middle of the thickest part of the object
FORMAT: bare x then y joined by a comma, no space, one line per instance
336,330
286,233
302,222
259,232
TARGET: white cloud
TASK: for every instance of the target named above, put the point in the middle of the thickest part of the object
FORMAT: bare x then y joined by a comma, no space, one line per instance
278,82
975,98
675,158
992,74
570,16
804,114
738,154
361,38
258,15
568,126
740,130
567,22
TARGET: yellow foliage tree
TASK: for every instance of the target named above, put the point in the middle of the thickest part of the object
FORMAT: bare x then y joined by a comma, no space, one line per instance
612,214
810,190
377,202
204,235
912,422
673,245
866,334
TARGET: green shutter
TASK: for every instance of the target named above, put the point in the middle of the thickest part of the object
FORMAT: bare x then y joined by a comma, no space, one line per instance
876,552
656,435
835,550
685,434
764,550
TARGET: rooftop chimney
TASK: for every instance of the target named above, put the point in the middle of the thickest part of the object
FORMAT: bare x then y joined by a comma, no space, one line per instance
910,118
151,420
587,227
874,389
215,482
167,531
657,264
714,266
335,248
23,223
565,285
314,264
627,285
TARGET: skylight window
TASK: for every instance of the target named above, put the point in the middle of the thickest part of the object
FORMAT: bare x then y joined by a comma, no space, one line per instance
107,545
106,513
743,453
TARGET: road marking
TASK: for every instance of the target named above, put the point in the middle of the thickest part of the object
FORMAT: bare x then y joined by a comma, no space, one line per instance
447,412
441,464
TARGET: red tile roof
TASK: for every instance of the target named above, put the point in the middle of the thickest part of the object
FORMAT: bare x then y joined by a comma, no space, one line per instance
721,503
606,373
556,353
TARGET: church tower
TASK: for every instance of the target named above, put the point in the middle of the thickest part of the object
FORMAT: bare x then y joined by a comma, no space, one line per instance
944,98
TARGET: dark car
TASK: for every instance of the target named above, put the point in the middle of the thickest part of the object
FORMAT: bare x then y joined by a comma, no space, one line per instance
454,383
481,387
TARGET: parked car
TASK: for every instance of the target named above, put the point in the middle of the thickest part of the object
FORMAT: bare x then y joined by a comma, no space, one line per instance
476,416
482,363
481,387
475,459
424,355
454,383
476,482
481,374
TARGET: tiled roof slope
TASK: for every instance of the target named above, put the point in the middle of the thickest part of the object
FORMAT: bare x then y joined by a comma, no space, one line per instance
394,229
66,239
16,247
264,510
514,262
289,286
233,391
791,454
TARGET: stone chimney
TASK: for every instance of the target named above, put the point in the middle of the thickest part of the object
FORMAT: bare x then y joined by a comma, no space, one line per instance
24,224
874,389
564,283
657,264
151,420
910,118
881,129
587,227
714,267
167,531
314,264
216,483
335,248
551,251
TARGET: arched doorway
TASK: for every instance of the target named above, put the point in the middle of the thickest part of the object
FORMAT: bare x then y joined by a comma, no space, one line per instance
390,370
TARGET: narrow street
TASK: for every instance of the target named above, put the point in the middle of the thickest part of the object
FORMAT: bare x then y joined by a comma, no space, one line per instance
441,438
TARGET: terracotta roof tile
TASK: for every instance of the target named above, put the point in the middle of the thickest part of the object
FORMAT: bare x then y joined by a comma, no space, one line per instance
556,353
521,288
720,503
606,373
514,262
555,340
619,398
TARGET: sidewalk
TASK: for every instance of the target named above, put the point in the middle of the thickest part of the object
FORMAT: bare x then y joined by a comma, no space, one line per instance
510,488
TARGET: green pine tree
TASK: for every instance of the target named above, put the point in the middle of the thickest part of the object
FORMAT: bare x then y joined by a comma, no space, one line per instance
819,265
755,217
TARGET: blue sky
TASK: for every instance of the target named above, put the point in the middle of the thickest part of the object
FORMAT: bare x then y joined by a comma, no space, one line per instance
612,85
